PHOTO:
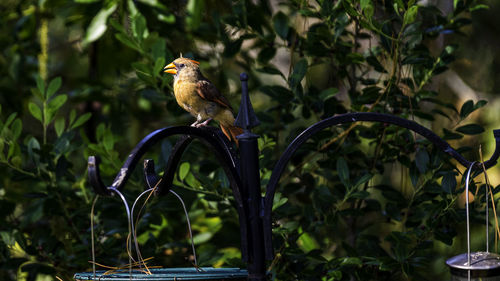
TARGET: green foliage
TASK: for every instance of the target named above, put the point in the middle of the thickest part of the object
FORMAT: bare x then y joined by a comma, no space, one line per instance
357,202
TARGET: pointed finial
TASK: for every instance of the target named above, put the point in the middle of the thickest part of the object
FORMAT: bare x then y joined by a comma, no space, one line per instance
246,118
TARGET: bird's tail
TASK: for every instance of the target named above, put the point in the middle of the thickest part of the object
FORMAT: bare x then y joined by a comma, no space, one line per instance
231,132
226,121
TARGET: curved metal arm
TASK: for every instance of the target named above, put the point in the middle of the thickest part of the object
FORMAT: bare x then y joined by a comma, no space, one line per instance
163,185
211,137
349,118
207,134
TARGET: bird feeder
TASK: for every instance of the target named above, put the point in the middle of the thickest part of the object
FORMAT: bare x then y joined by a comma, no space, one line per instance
475,266
167,274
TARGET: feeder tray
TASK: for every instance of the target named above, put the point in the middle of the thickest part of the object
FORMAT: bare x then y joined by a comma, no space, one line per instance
165,274
482,264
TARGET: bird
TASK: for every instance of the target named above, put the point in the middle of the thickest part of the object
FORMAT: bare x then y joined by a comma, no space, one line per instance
198,96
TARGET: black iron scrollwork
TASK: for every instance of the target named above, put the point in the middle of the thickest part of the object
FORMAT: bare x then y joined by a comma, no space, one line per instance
349,118
211,137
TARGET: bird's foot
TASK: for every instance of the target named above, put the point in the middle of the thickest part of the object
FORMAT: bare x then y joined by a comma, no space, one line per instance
195,124
203,124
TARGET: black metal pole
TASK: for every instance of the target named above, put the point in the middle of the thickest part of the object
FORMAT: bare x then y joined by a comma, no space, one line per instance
250,177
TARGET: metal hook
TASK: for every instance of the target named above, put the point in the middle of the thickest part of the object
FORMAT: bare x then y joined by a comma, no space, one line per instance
467,210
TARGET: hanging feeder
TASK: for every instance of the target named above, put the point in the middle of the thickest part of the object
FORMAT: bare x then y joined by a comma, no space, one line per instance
475,266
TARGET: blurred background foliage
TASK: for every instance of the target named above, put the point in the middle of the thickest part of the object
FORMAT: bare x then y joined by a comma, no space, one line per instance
357,202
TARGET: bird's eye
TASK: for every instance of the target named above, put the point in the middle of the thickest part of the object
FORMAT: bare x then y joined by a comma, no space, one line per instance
181,65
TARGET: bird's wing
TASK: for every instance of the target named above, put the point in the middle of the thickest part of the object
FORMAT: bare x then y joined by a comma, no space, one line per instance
207,91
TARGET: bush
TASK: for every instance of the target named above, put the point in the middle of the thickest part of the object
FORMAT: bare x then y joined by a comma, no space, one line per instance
84,78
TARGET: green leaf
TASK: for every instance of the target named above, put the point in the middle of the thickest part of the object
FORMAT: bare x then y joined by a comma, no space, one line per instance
467,108
14,150
59,126
449,135
54,85
279,201
232,48
17,127
278,93
116,25
33,149
414,175
11,118
35,111
40,84
365,178
343,171
98,24
101,129
154,3
479,7
299,71
367,8
195,9
81,120
307,242
270,70
108,140
184,170
128,42
72,116
351,261
328,93
159,64
139,28
480,104
410,15
2,145
422,160
470,129
280,23
266,54
449,182
54,106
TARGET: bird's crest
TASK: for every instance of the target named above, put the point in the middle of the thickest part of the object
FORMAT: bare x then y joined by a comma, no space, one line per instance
193,61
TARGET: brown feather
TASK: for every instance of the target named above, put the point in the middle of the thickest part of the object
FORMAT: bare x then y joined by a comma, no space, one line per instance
231,132
207,91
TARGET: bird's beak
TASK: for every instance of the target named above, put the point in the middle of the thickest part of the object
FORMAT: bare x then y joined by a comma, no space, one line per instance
170,69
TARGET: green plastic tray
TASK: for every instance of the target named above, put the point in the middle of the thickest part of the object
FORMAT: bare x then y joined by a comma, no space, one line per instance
204,273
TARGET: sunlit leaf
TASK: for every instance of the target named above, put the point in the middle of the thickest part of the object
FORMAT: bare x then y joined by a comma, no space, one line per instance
81,120
410,15
35,111
98,24
195,10
59,126
17,127
40,84
54,85
184,170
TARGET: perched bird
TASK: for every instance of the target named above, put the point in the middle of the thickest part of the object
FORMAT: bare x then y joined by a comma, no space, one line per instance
198,96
